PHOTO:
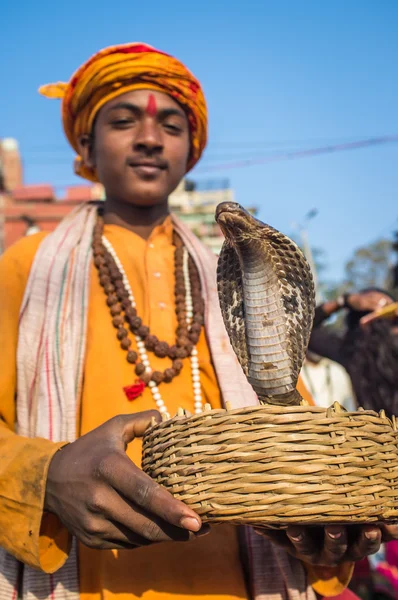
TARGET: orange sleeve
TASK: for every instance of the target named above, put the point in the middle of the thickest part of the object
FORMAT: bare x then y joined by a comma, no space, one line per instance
37,541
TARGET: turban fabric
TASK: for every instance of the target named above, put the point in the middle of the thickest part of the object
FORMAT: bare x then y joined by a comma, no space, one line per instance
119,69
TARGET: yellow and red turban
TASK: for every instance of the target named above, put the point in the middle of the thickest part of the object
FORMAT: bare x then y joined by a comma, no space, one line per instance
119,69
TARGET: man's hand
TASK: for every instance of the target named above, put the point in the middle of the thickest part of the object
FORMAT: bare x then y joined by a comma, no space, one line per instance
368,301
389,311
108,502
331,545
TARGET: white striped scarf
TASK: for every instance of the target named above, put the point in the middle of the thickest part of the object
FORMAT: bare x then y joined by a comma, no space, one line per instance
50,364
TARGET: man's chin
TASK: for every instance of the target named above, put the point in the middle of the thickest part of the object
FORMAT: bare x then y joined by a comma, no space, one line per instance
146,195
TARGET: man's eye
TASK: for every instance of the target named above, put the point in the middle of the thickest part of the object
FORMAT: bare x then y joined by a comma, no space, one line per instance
172,128
122,122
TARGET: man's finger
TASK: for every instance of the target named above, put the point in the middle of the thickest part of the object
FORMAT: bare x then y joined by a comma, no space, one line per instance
335,545
388,532
135,425
140,489
305,542
388,312
368,542
129,517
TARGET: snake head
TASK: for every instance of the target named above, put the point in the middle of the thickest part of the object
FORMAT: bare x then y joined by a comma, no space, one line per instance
236,223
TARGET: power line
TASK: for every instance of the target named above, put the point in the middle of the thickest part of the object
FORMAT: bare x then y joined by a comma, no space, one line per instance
284,156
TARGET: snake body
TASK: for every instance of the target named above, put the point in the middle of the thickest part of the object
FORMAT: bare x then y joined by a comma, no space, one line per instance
267,300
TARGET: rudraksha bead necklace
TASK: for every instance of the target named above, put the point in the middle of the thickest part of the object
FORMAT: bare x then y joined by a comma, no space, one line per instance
189,311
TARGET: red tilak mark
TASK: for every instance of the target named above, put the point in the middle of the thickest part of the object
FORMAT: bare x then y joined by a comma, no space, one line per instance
151,107
133,391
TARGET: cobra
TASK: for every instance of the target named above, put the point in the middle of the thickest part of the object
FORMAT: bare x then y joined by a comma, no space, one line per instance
267,300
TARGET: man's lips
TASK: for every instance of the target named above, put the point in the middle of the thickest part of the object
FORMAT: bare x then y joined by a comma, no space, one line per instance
146,164
147,169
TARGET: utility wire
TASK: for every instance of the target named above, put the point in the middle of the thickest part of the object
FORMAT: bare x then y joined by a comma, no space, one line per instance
284,156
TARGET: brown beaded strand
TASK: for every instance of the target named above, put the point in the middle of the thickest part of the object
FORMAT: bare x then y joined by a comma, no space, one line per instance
125,318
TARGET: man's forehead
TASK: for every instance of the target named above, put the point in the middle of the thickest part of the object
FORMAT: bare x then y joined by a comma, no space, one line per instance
142,98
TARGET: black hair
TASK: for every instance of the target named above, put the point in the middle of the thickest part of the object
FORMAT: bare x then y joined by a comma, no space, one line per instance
371,356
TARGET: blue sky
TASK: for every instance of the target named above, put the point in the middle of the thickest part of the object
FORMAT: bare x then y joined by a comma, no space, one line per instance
280,74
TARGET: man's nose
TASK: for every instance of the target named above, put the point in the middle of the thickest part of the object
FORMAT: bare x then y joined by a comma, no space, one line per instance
148,136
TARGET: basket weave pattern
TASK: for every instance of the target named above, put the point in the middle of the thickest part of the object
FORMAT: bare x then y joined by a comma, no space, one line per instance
272,466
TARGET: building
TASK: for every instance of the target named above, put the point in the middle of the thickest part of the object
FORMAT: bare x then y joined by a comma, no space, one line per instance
195,203
25,209
11,175
33,208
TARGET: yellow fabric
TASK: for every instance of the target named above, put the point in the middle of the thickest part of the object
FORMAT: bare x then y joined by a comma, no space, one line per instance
119,69
211,565
328,581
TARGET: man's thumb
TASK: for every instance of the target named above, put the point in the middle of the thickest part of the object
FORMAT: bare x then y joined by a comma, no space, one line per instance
136,424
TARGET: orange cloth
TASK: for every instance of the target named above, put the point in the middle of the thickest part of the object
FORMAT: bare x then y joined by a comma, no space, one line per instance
119,69
304,392
211,565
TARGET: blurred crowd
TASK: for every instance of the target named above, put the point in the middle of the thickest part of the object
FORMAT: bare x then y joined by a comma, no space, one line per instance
355,363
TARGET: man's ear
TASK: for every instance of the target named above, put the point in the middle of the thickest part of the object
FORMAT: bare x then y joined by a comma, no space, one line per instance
86,150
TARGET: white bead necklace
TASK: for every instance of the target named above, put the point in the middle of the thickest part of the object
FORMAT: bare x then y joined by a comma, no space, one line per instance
197,391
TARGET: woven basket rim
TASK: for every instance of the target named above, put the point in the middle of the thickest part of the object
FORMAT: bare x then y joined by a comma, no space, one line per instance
273,465
334,411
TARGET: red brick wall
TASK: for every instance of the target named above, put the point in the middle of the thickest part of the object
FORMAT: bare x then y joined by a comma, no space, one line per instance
16,229
37,202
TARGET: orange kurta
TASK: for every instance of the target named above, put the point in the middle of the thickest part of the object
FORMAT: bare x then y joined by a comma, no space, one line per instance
208,567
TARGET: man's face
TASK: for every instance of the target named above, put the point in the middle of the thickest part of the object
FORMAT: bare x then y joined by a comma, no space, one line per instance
140,148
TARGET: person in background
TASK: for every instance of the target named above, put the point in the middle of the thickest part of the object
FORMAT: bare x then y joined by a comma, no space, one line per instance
31,225
327,382
368,349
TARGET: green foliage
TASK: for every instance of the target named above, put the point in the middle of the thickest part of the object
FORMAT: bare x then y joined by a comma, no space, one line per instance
370,266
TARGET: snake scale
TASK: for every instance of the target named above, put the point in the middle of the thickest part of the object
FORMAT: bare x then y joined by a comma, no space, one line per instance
267,300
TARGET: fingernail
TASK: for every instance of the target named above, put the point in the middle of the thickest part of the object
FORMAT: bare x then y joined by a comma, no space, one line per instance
371,535
335,536
190,523
295,534
204,530
296,538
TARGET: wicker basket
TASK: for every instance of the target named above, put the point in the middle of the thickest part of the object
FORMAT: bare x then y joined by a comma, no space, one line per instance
273,466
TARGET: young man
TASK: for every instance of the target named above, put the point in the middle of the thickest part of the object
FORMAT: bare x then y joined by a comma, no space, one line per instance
100,324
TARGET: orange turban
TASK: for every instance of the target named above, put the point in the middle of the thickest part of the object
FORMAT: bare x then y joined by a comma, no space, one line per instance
119,69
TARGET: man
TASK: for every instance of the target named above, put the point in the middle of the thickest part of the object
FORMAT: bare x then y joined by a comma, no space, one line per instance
327,382
368,348
100,323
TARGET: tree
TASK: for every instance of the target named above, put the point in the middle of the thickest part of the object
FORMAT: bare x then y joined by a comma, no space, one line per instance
370,266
